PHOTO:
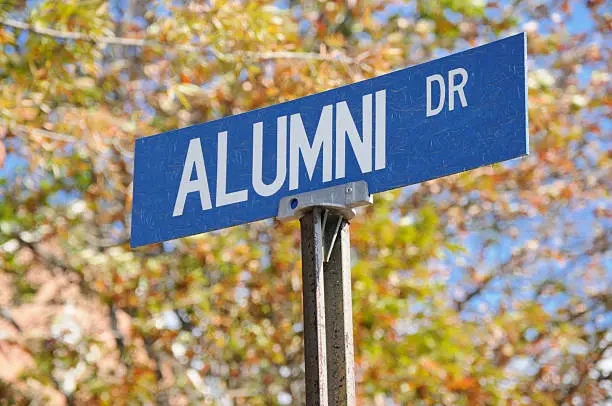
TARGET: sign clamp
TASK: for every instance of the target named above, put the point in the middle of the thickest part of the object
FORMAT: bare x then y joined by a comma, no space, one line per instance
335,201
340,198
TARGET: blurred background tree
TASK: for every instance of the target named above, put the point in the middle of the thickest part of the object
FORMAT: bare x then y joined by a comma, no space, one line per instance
485,288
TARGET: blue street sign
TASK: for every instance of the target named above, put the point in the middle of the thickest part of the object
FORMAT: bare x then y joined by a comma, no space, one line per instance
442,117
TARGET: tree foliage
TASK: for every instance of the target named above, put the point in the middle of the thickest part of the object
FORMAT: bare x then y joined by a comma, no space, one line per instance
489,287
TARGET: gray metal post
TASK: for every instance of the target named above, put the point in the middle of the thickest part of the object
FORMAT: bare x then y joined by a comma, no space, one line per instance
328,324
313,291
326,287
339,314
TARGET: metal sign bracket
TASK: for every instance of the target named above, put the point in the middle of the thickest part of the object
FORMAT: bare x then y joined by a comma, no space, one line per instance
337,204
340,198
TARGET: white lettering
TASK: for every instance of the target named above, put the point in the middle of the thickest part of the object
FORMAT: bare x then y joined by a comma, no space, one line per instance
440,80
200,184
310,154
380,149
452,88
223,197
281,158
346,125
373,125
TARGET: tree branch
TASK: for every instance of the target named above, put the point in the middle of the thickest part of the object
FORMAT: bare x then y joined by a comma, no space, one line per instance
594,359
119,340
72,35
601,244
6,315
460,304
141,42
503,269
52,261
55,136
162,397
58,386
45,133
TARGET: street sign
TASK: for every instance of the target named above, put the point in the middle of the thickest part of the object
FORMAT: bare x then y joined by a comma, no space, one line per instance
442,117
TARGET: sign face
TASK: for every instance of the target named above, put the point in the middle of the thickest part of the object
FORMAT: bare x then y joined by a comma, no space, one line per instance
442,117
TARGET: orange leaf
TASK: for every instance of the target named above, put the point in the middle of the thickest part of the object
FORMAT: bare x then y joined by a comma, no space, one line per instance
565,7
461,383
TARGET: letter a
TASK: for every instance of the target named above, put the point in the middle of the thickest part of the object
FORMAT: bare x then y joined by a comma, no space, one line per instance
200,184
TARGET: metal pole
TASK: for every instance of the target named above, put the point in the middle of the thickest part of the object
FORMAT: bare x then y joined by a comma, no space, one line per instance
328,323
339,316
314,308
